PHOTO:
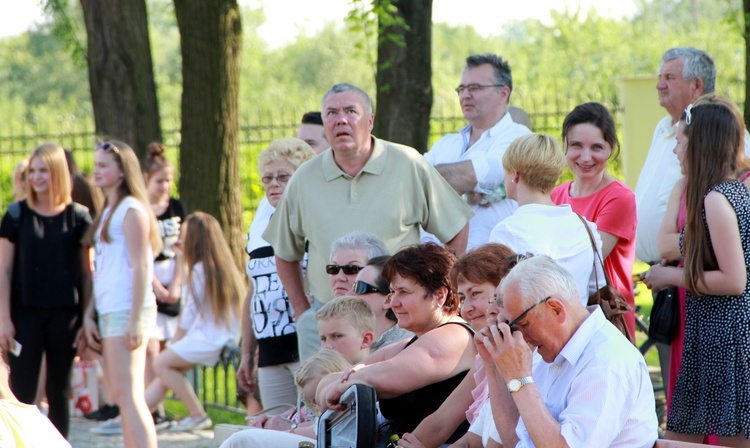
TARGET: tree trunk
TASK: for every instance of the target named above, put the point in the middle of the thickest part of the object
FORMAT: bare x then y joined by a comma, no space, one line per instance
211,38
121,74
404,97
746,35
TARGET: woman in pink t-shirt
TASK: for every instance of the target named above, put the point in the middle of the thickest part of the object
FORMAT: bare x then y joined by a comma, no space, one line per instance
590,140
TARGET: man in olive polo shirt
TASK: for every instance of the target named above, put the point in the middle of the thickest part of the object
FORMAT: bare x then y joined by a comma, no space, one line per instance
360,183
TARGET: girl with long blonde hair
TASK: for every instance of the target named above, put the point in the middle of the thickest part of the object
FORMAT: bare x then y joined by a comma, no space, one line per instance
209,321
44,275
125,236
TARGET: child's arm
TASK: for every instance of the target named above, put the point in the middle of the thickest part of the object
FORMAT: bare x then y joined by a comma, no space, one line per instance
136,228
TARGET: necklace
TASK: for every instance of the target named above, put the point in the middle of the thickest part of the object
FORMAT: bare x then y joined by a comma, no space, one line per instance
574,189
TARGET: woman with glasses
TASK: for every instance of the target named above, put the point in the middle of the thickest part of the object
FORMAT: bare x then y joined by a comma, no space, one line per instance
349,255
125,236
474,277
413,378
532,164
590,141
267,319
712,390
45,272
371,287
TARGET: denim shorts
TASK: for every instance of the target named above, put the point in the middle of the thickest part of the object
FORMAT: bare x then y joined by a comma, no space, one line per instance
112,325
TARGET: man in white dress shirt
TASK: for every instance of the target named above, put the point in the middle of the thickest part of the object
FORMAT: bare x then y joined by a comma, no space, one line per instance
686,73
592,388
471,160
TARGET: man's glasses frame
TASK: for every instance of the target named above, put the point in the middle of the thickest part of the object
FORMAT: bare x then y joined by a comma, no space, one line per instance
514,323
474,88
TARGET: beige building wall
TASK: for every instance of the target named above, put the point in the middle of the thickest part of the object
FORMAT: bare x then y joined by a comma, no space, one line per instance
641,113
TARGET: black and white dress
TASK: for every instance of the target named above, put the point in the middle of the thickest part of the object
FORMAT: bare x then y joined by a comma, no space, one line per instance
712,393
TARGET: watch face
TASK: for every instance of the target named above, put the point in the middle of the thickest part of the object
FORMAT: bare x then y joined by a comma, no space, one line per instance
514,385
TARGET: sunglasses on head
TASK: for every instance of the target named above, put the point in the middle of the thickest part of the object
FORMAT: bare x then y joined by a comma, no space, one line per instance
107,146
349,269
360,287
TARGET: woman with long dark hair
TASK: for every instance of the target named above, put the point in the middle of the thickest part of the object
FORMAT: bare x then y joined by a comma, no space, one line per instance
712,393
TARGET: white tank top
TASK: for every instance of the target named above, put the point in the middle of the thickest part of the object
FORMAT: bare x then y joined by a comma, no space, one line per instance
113,272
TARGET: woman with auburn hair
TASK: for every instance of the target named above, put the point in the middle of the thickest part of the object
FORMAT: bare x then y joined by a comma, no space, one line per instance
475,277
533,163
45,271
209,321
125,236
590,140
713,384
427,368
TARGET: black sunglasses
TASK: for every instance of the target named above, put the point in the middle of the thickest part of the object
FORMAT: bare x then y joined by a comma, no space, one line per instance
349,269
514,323
107,146
360,287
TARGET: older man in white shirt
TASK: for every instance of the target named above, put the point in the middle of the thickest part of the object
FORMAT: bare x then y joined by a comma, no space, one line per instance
471,160
686,73
593,388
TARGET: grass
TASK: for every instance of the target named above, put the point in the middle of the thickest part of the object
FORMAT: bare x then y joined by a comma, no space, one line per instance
216,385
177,410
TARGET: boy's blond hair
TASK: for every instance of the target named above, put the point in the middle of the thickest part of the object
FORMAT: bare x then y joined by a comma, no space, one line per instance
355,310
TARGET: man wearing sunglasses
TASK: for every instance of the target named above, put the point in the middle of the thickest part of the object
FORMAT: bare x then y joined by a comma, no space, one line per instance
593,387
359,183
471,160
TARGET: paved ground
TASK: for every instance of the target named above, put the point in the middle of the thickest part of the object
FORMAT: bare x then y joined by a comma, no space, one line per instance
81,437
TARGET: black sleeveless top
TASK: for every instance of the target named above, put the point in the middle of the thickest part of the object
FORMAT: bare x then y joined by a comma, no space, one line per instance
407,411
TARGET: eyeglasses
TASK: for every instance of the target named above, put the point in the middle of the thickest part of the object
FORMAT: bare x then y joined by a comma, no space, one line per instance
689,114
349,269
474,88
107,146
282,178
514,323
360,287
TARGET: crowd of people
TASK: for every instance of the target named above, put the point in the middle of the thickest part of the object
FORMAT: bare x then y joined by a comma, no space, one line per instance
463,286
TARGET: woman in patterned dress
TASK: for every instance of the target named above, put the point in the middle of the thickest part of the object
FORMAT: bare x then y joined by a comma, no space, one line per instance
712,393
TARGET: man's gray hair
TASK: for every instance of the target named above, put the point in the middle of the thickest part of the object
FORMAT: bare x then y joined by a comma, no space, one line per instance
539,277
695,64
370,244
344,87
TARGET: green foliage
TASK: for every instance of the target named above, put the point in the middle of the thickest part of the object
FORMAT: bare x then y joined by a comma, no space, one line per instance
575,57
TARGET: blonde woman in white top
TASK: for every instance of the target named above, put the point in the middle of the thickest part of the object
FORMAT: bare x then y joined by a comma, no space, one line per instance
125,236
